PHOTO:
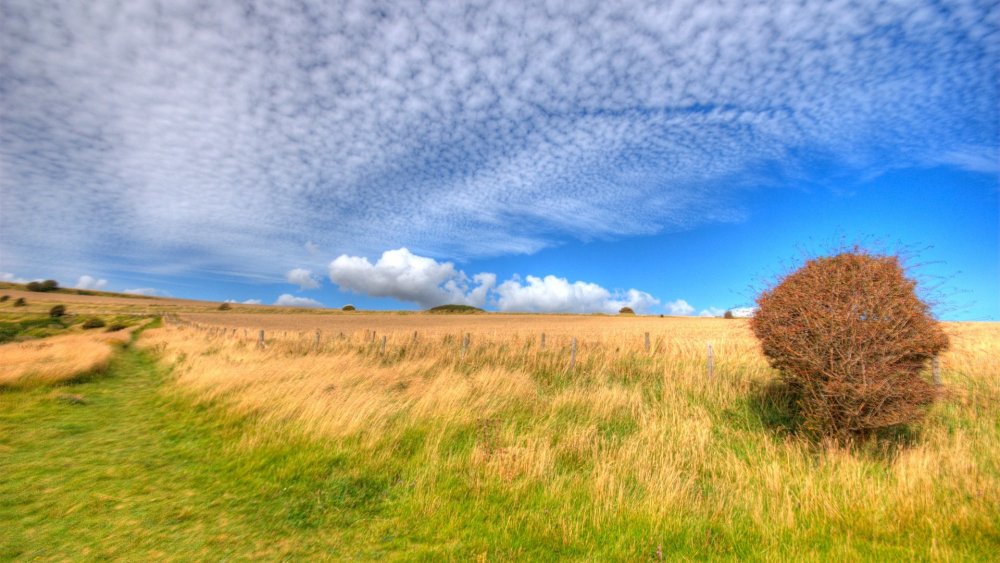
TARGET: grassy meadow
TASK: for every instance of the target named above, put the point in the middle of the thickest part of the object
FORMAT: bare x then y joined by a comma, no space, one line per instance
414,436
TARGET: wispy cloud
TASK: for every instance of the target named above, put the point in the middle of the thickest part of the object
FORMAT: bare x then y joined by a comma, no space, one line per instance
288,300
11,278
210,136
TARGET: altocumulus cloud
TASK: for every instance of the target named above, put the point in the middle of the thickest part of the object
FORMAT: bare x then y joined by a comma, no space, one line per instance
498,128
402,275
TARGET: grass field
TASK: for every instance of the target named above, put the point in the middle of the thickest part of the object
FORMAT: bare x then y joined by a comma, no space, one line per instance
198,443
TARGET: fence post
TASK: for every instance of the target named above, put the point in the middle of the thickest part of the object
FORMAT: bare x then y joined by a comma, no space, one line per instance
647,342
382,351
542,342
711,361
318,333
414,337
572,355
465,346
260,339
936,369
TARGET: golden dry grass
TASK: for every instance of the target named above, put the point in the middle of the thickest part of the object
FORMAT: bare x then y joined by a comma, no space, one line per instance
627,435
57,359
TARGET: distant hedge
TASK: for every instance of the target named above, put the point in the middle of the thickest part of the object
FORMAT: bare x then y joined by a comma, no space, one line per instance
453,309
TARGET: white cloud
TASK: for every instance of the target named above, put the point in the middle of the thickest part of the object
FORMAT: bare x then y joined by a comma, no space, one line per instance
679,308
743,312
147,291
311,247
553,294
288,300
402,275
500,128
11,278
88,282
712,312
247,302
302,278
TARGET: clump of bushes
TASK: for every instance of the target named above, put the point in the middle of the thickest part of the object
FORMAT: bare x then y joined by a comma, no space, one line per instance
728,315
348,308
626,311
453,309
850,337
20,302
4,298
225,307
116,327
93,323
43,286
57,311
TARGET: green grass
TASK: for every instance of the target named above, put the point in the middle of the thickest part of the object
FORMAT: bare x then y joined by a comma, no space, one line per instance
124,467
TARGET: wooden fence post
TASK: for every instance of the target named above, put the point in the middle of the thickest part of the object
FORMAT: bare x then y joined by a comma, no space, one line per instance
318,333
647,342
465,346
711,361
260,339
572,355
382,351
936,370
541,343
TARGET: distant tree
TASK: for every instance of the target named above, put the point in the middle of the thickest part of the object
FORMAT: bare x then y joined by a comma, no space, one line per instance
728,315
348,308
20,302
50,285
57,311
34,286
4,298
626,311
225,307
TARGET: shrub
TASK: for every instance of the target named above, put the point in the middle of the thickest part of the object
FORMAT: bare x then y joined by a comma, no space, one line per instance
851,337
93,323
455,309
348,308
626,311
50,285
20,302
728,315
34,286
57,311
4,298
225,307
116,327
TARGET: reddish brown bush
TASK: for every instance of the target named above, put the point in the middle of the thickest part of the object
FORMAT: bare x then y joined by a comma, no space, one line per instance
850,335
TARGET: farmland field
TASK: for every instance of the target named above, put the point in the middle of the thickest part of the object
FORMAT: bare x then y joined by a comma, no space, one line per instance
462,437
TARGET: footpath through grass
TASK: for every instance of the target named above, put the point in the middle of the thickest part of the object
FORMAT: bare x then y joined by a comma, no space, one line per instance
115,468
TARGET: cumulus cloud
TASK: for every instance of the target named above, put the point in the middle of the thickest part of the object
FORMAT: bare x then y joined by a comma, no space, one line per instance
147,291
11,278
89,282
501,128
302,278
247,302
712,312
402,275
552,294
743,312
288,300
680,308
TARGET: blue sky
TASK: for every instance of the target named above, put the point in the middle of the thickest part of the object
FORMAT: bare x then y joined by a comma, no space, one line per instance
519,156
